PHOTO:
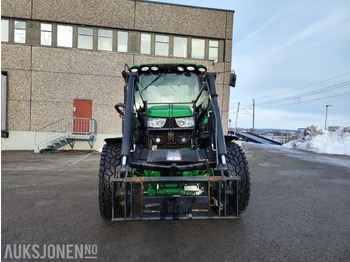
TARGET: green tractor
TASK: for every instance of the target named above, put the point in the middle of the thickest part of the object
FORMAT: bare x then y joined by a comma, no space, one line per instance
173,161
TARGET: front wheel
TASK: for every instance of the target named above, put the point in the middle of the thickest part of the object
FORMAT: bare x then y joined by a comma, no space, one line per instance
237,159
110,159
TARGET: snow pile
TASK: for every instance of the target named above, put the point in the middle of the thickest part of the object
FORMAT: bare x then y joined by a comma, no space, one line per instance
316,139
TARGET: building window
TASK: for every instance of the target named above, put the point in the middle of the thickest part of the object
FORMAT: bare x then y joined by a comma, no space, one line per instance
20,32
162,45
85,38
122,45
64,36
4,30
213,50
46,34
198,47
105,40
146,44
180,46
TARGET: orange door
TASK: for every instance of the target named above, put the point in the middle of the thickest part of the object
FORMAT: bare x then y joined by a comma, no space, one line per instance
82,114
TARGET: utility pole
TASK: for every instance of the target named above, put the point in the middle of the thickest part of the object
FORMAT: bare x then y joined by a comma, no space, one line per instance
253,114
237,118
325,124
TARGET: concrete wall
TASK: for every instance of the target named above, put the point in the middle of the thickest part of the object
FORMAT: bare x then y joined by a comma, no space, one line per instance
44,81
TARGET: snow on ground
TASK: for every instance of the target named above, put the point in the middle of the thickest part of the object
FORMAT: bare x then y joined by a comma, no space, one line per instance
316,139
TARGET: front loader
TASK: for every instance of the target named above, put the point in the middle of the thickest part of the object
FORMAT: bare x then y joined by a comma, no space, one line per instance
173,161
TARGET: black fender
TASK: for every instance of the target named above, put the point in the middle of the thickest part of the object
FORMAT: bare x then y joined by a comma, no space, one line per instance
114,140
230,138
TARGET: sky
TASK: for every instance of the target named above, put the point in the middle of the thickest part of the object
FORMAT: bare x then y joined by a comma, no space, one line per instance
292,57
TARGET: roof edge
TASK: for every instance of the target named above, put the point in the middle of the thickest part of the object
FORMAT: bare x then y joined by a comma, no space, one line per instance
191,6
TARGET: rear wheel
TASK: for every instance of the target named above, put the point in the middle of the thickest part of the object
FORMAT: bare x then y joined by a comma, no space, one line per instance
110,159
237,159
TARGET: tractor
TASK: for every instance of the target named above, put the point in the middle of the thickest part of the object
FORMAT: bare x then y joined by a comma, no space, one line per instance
173,160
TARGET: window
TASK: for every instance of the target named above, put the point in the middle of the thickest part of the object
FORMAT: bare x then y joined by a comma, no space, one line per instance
180,46
213,50
45,34
122,45
85,38
20,32
168,87
198,46
64,36
146,44
4,30
162,45
105,40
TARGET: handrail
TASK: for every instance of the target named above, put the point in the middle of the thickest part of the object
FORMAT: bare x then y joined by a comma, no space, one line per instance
50,124
62,129
50,132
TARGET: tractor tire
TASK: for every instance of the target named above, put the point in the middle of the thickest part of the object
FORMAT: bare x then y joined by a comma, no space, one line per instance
110,159
237,159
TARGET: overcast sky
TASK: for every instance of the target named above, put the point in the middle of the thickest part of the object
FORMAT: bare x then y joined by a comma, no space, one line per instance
285,53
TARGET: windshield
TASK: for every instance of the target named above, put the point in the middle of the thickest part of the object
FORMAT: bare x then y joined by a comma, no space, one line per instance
169,87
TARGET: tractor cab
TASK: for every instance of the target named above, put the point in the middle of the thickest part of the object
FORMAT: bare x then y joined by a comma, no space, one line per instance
169,99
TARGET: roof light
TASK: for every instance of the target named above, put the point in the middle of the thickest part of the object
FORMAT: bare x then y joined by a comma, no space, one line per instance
134,70
202,69
154,68
190,68
180,69
144,68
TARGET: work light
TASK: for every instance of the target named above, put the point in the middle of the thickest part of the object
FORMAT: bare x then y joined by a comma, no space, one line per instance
154,68
180,69
144,68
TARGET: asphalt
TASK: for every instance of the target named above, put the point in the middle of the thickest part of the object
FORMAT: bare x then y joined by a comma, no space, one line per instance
299,210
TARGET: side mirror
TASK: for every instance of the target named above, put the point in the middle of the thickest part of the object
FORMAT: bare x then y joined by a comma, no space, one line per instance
117,107
233,78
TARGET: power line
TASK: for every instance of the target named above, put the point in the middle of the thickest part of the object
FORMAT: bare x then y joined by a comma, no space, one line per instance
298,97
325,97
310,100
291,90
296,102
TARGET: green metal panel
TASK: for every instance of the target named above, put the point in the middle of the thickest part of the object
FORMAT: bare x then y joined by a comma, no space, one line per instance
170,111
170,189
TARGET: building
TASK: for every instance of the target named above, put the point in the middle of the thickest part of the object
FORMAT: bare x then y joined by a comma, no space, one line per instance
59,54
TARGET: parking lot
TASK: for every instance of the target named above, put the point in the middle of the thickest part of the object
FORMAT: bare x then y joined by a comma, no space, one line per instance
299,211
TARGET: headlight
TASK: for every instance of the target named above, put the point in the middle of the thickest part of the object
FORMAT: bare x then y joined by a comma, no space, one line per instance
185,121
156,122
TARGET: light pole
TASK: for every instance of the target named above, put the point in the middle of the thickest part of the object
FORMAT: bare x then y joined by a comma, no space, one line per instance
325,124
253,114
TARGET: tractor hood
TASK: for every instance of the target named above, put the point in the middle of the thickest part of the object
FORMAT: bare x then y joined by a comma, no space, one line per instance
170,110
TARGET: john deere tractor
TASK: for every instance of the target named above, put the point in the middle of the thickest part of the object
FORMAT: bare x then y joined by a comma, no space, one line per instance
173,161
